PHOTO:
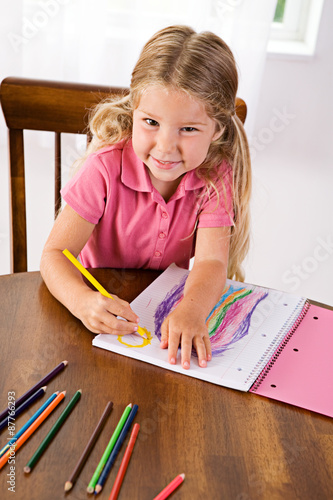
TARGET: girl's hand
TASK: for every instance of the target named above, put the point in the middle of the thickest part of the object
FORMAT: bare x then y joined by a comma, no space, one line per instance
186,327
99,314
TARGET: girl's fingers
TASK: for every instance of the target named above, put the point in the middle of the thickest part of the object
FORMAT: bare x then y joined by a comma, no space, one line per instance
173,345
200,346
172,335
119,327
120,307
101,320
104,309
208,346
164,334
186,343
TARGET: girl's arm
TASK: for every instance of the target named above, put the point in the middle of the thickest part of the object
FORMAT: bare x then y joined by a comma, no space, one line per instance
65,282
203,288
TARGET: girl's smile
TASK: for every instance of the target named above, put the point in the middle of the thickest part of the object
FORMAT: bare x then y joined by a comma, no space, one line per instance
171,135
165,165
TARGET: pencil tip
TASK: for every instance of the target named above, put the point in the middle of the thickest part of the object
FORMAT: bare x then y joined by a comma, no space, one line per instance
68,485
27,469
98,489
182,475
44,388
130,405
65,363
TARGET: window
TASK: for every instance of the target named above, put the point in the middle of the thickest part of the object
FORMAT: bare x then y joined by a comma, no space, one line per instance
295,27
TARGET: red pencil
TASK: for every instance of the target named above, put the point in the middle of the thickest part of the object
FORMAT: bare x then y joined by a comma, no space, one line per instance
171,487
124,463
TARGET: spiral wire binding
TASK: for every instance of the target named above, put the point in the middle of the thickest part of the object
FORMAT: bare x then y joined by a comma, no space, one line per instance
279,350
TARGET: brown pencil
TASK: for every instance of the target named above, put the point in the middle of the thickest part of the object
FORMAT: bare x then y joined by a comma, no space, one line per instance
86,452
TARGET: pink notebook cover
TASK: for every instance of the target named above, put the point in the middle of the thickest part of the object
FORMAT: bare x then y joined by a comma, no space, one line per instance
301,371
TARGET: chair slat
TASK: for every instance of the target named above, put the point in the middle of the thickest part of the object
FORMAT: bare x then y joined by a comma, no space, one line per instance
18,211
57,173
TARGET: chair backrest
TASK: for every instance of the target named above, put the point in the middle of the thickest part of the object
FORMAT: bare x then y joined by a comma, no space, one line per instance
58,107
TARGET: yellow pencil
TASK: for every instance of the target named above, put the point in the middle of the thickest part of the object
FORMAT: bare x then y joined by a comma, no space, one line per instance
94,282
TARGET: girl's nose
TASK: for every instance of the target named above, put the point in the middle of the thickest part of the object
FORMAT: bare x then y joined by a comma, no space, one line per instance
166,141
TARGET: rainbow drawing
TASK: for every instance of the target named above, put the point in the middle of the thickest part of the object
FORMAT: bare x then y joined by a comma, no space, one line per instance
228,322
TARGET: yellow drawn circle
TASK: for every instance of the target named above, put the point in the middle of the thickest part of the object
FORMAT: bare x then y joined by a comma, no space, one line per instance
142,332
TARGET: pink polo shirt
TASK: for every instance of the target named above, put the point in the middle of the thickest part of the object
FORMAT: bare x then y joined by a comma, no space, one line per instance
135,227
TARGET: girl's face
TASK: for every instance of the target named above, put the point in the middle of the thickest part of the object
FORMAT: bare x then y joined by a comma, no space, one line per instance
171,134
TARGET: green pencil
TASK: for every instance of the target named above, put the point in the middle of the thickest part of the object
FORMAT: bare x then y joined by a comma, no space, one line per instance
108,449
48,438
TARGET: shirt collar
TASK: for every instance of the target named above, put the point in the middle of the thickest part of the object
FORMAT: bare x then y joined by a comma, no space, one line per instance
135,176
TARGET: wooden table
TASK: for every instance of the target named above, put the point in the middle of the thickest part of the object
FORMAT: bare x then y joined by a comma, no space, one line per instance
230,445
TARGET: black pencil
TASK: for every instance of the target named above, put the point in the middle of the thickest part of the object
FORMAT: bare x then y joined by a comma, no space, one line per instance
91,443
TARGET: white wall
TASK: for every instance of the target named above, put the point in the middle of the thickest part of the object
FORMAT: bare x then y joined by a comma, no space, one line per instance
293,174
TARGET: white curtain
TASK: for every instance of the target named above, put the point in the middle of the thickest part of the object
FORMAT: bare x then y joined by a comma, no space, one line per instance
99,42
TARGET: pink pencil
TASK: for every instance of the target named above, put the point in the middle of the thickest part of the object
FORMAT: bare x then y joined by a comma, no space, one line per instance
171,487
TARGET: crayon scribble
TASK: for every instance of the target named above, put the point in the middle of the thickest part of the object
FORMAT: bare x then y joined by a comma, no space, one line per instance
228,322
135,339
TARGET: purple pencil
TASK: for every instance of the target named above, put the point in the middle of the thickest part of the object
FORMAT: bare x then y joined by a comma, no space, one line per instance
37,386
19,409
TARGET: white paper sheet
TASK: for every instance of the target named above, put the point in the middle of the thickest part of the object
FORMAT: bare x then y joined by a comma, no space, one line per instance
251,323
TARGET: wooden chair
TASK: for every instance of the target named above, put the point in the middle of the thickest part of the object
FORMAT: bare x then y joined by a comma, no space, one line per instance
53,106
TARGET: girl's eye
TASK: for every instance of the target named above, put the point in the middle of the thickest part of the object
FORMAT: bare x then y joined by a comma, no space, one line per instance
152,123
189,129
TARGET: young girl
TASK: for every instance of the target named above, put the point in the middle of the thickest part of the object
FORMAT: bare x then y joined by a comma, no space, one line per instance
166,177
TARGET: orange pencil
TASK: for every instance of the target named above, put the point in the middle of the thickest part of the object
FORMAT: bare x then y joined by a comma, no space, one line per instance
22,439
124,463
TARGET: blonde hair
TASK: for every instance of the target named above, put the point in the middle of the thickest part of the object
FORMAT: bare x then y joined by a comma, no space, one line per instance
203,66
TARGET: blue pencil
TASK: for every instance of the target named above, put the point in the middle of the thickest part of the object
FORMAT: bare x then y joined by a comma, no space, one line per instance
115,451
19,409
28,423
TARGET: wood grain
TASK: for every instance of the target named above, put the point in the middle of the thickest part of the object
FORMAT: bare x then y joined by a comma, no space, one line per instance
230,445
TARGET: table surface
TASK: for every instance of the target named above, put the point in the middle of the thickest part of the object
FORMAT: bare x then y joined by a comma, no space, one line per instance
230,444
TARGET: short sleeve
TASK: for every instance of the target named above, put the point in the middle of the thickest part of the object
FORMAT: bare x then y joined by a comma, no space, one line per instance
217,208
87,191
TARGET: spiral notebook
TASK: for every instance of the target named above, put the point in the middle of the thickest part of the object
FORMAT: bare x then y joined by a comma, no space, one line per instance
265,341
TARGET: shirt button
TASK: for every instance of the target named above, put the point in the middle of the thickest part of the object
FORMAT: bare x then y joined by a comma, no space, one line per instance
164,215
162,236
157,254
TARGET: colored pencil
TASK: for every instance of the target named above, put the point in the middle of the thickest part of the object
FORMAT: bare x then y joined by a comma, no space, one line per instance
91,443
39,384
22,439
51,434
108,449
28,423
170,488
19,409
124,463
94,282
106,470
